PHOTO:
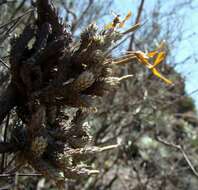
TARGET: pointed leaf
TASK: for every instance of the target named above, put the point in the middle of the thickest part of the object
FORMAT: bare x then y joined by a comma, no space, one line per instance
133,28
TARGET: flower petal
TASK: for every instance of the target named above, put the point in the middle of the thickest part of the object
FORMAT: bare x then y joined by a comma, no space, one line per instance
156,73
151,54
159,59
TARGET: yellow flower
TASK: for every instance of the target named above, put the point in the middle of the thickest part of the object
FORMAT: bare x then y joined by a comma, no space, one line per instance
144,59
117,21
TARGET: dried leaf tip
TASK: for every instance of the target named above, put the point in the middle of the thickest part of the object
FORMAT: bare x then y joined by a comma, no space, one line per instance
125,77
109,147
132,29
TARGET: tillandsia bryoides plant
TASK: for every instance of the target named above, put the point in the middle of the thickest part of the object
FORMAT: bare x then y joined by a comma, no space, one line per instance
49,73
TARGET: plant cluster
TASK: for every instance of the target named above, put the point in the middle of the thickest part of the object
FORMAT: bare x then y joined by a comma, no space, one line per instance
50,73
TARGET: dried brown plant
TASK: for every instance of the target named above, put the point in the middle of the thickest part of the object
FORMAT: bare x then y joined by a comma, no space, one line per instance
49,73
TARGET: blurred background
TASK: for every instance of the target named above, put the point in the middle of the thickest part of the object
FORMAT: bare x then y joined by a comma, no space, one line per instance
143,108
